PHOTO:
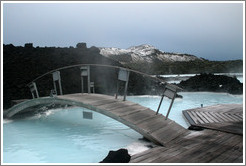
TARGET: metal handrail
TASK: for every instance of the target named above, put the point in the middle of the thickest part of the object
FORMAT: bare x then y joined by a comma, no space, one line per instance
101,65
170,90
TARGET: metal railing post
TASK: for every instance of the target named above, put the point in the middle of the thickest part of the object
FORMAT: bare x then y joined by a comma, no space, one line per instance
60,86
82,85
162,96
57,77
92,85
169,109
34,90
54,83
89,80
126,85
123,75
85,72
117,89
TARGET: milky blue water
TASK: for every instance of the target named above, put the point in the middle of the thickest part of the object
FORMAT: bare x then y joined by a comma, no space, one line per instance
64,136
176,78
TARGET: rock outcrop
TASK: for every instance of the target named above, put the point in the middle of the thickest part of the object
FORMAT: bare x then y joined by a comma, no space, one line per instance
119,156
212,83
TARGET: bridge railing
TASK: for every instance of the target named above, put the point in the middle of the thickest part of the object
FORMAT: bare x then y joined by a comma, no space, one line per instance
122,76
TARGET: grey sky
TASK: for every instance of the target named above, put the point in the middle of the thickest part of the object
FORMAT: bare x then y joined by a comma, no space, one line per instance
210,30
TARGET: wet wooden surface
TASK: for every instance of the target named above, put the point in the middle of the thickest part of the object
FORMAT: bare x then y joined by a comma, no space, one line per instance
220,141
223,117
207,146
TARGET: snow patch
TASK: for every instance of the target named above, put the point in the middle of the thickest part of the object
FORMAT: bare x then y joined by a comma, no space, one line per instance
144,53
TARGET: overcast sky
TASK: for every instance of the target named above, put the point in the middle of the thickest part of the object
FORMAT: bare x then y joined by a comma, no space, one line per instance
210,30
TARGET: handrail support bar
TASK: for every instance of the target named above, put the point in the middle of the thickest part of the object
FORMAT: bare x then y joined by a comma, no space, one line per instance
169,109
160,104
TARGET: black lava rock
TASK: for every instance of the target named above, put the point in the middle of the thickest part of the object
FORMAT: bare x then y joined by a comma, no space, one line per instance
212,83
119,156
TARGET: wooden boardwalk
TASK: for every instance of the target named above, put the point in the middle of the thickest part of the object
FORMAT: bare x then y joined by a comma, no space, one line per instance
222,144
223,117
141,119
207,146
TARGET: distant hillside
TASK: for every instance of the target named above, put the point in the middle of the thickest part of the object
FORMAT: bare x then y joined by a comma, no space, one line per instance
145,53
151,60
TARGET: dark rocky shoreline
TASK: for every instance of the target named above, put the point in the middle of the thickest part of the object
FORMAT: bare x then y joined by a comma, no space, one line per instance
212,83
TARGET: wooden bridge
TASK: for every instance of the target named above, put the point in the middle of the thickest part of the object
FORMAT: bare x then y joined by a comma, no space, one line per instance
142,119
147,122
174,143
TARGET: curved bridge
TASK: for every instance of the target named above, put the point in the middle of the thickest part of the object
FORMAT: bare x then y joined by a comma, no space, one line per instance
141,119
145,121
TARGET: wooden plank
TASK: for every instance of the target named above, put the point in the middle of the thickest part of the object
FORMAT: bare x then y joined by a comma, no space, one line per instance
229,146
201,117
209,120
82,99
222,118
139,116
102,102
235,117
197,138
230,116
230,155
199,150
123,111
86,96
153,124
170,152
239,115
215,115
225,117
208,114
168,132
117,104
197,119
171,136
160,132
148,154
239,159
214,151
145,153
230,127
188,118
127,110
